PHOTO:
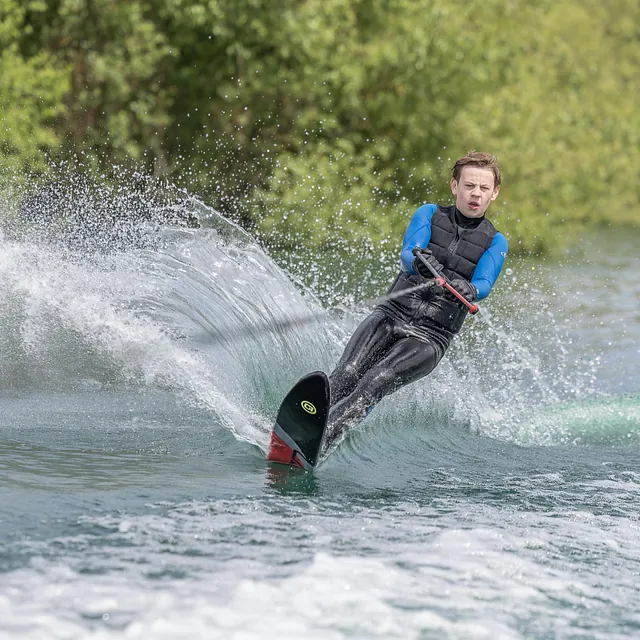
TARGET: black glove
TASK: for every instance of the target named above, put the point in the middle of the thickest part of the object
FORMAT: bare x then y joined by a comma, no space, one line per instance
464,287
421,268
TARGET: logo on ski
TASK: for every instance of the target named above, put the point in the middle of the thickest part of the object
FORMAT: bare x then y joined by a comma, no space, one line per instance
308,407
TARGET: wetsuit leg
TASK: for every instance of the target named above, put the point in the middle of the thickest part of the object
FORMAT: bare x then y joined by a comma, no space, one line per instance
369,342
408,360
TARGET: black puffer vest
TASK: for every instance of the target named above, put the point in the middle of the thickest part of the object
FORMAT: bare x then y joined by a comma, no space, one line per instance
459,251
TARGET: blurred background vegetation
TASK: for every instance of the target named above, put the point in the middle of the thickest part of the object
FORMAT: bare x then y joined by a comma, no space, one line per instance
320,123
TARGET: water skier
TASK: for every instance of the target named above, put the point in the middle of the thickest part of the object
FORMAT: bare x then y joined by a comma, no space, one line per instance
404,338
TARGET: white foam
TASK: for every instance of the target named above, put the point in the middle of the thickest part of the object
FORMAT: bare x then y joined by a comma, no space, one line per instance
404,574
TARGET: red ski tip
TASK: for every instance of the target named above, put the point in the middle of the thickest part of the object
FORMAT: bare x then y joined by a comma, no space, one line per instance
279,451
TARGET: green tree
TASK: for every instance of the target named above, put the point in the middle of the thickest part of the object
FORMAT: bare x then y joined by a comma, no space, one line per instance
31,95
114,109
565,121
326,123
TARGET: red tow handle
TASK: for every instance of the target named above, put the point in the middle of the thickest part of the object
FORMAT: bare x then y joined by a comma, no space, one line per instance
442,282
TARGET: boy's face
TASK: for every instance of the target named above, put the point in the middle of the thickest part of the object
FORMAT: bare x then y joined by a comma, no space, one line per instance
475,191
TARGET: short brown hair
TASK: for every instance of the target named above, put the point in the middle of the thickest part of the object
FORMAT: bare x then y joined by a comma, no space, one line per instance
477,159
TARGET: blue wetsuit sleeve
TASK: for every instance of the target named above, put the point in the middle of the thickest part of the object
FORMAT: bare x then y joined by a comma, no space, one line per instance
418,234
489,266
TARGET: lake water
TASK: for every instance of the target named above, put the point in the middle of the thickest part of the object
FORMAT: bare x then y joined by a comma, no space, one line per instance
498,498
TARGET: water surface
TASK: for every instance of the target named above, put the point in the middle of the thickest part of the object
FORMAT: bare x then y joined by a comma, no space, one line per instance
498,498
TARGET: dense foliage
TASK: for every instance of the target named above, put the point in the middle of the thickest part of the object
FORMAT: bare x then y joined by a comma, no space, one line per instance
321,120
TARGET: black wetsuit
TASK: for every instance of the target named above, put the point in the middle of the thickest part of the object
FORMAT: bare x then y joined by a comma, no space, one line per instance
404,339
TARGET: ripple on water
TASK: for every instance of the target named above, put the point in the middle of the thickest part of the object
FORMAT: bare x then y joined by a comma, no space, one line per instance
377,568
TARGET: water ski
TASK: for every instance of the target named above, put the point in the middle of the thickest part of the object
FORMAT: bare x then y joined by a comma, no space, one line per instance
298,433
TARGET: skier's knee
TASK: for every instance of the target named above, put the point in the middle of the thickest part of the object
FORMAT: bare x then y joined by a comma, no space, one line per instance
378,384
342,381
